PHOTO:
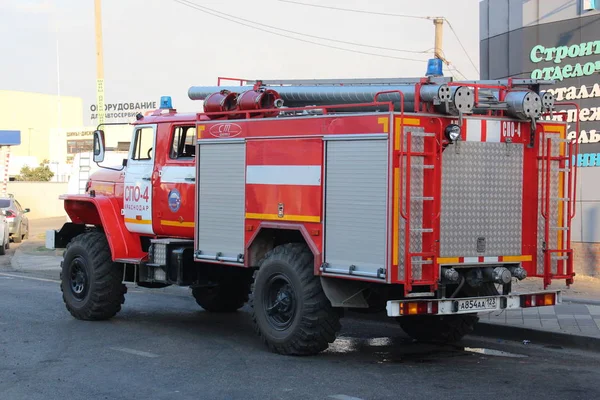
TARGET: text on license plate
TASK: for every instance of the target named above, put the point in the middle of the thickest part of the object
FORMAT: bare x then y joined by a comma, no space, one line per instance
478,304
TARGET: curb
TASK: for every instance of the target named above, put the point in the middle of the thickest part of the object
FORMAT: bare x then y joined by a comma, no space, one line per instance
581,301
507,332
536,335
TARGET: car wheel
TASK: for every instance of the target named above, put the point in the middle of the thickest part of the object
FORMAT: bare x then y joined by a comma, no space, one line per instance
17,238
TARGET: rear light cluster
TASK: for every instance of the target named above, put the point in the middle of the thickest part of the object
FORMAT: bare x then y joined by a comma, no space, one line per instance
10,214
419,307
538,300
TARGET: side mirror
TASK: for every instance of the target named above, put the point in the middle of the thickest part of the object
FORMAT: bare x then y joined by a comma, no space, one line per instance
26,210
98,146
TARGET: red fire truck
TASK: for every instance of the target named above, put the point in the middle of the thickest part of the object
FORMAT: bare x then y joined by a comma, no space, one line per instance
425,197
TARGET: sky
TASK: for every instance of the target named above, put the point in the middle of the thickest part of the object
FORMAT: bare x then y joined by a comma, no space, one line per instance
162,47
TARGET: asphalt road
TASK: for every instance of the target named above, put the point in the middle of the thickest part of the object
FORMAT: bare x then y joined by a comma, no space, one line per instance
163,346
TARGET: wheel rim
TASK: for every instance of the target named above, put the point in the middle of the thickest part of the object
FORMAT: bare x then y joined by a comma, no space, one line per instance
279,302
78,278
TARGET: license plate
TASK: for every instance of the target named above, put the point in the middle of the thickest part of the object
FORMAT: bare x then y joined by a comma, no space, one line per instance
478,304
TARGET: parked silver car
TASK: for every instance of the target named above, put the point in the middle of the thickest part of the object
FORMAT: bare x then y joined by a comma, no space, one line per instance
18,223
4,238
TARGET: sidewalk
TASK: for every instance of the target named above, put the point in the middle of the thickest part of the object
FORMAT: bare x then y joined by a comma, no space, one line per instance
576,321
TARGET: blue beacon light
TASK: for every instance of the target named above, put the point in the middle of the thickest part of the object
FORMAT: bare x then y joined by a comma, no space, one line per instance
165,102
434,67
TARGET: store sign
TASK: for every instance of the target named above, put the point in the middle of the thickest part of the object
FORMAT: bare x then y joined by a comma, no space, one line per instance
114,112
570,55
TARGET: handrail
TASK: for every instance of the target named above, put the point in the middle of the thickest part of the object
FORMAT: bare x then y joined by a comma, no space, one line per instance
573,162
440,149
247,113
543,174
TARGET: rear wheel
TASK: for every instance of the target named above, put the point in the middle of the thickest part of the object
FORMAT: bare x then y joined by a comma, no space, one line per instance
446,328
438,328
17,238
290,311
223,297
90,282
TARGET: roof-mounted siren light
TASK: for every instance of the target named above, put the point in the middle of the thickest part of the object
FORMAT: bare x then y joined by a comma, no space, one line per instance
166,103
434,67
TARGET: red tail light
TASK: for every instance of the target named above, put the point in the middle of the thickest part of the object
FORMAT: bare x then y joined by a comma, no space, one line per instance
418,307
10,214
538,300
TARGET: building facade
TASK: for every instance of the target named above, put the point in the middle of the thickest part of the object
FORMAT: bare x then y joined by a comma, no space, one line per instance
52,131
557,40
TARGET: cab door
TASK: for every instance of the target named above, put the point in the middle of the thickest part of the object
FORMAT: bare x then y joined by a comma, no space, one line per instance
139,176
175,189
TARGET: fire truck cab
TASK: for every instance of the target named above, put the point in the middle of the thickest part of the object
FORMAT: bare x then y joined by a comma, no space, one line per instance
422,197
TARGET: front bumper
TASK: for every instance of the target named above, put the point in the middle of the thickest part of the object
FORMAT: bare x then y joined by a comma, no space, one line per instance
468,305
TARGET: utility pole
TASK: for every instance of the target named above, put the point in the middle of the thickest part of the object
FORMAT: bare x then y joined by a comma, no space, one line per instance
99,62
438,22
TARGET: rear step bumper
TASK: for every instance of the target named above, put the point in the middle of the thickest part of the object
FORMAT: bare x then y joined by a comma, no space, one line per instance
466,305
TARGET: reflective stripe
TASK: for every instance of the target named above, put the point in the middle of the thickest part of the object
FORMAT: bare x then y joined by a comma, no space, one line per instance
300,218
300,175
459,260
177,174
493,131
177,223
138,221
473,130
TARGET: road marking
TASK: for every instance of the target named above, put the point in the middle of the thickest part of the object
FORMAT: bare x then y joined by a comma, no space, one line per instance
135,352
492,352
29,277
344,397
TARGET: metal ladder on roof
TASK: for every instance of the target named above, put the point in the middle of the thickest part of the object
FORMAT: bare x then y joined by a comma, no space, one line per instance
420,161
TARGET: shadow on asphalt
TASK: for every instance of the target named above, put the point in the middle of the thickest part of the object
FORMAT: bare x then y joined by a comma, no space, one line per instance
358,342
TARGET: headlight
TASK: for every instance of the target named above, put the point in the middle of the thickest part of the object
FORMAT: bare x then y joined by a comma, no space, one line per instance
453,132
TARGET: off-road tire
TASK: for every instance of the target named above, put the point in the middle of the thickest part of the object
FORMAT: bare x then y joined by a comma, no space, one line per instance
438,328
105,292
314,324
224,297
445,328
17,237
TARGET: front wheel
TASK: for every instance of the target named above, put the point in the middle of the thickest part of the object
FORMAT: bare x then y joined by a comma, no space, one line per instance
289,308
90,282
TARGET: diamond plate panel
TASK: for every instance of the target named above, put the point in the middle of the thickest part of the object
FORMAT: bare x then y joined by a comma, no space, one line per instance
416,206
481,197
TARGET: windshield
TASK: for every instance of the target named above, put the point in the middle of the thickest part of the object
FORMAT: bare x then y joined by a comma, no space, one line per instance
4,203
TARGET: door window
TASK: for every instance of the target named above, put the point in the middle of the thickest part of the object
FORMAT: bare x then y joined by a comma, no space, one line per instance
144,140
182,145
